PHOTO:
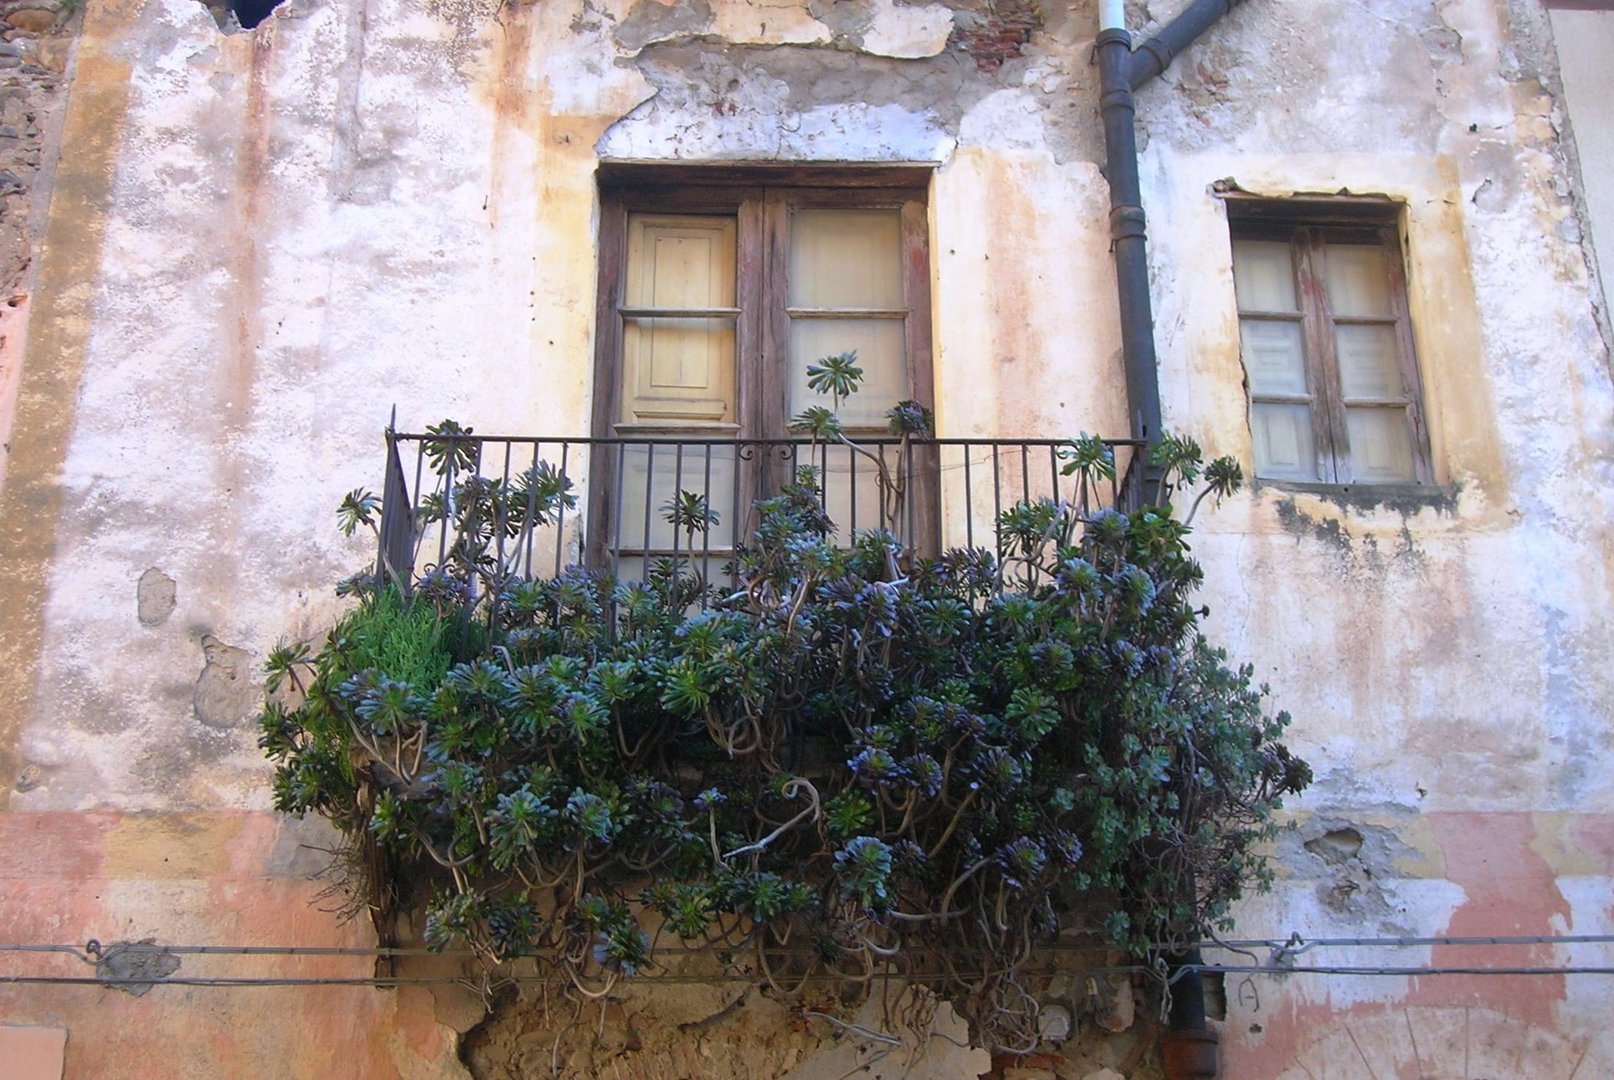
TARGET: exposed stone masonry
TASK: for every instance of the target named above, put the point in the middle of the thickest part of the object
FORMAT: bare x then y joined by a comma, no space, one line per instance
33,59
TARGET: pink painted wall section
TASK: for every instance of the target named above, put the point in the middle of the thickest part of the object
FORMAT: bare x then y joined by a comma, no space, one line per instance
1514,871
32,1053
1511,892
198,879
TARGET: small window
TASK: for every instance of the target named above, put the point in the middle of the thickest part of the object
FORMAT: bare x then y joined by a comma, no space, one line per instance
1326,342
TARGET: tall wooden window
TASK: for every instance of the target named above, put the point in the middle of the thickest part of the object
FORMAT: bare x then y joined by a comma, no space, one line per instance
717,289
1333,380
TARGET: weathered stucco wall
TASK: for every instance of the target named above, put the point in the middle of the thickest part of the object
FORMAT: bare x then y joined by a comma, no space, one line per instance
1584,39
258,243
1438,652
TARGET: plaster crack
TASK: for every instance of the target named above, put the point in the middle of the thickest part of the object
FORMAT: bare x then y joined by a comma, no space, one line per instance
1417,1054
1361,1054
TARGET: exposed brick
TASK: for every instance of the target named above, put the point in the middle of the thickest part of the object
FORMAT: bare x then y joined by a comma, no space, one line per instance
999,34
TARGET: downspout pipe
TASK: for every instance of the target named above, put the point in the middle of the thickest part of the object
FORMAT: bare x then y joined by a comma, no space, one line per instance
1190,1046
1128,227
1191,1050
1156,54
1121,71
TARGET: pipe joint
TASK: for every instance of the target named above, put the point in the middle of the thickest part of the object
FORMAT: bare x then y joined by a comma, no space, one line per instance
1128,222
1117,97
1113,36
1160,51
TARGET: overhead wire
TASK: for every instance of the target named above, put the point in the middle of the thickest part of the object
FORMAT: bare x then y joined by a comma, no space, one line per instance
378,981
1292,944
1281,965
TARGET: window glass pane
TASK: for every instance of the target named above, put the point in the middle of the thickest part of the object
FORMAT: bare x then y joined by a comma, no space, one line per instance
1284,446
1381,445
1264,275
1273,357
880,353
1369,362
678,370
683,260
851,489
666,474
1357,281
846,258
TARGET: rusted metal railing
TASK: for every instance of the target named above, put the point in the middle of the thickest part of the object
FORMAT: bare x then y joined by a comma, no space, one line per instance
620,499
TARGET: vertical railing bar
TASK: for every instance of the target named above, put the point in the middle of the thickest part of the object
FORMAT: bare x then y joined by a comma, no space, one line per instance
851,514
450,463
734,504
908,500
395,532
1119,477
477,478
1127,495
616,523
499,521
678,493
529,527
649,500
997,497
706,533
560,506
1025,473
419,495
1025,497
823,478
1053,470
969,499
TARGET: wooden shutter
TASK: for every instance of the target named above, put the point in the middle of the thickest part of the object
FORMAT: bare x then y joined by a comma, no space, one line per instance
679,318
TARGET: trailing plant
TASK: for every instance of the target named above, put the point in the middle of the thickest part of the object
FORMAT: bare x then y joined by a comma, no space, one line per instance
850,761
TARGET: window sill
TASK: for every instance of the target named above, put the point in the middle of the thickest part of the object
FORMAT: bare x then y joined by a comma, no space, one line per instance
1405,499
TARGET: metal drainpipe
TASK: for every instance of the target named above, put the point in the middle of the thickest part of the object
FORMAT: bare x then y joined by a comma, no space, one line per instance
1121,71
1190,1046
1155,55
1128,227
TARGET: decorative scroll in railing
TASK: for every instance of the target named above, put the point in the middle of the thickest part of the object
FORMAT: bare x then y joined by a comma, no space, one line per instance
619,504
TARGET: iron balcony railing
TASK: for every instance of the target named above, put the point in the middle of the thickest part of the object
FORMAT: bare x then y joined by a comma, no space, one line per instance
629,501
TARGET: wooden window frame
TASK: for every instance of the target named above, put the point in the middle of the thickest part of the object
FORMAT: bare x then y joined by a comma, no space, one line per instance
761,199
1308,227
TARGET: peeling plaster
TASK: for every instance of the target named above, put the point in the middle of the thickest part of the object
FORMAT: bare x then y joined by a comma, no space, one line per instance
135,970
907,32
226,695
804,105
154,597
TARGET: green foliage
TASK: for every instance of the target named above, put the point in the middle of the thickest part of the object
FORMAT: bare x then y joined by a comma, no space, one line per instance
690,513
911,420
837,376
817,421
359,507
925,773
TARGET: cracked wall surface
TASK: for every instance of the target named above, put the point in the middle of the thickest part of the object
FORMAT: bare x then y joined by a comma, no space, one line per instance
255,244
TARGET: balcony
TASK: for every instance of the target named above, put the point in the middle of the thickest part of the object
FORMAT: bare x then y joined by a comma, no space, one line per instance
622,504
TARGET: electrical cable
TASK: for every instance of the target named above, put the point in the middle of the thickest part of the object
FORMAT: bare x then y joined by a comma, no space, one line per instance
1293,943
93,952
224,982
